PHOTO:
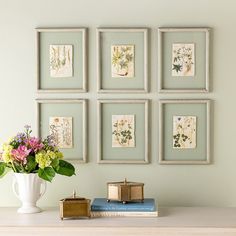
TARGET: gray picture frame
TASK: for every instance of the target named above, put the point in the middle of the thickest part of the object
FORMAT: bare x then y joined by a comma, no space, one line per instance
83,103
204,88
205,121
72,89
131,102
100,32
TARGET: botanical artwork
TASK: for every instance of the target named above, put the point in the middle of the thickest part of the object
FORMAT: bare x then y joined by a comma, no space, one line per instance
122,61
123,131
183,61
61,57
184,131
61,130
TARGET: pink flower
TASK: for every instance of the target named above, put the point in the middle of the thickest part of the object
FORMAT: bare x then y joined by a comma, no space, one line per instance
21,153
35,144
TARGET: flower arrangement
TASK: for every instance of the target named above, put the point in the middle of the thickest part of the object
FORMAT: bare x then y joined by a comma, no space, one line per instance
26,154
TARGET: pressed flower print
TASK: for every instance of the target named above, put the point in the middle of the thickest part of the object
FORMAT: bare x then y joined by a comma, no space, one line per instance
122,61
61,61
61,130
183,60
123,131
184,132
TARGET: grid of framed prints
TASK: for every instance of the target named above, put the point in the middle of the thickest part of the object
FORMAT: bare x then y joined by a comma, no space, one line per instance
66,120
122,131
183,55
122,67
61,60
122,55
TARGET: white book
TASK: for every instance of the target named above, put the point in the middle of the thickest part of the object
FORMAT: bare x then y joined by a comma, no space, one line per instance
96,214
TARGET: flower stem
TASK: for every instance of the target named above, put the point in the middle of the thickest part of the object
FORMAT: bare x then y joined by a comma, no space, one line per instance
13,167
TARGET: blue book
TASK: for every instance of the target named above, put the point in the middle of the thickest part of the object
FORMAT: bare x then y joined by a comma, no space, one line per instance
101,204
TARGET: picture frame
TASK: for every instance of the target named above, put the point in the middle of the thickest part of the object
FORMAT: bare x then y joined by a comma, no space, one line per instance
67,118
61,60
122,60
184,131
124,138
183,59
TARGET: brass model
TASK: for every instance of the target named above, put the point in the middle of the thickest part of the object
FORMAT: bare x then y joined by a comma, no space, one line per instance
74,207
125,191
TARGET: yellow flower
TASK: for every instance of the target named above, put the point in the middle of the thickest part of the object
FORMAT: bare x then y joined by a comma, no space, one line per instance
43,159
59,155
51,154
6,155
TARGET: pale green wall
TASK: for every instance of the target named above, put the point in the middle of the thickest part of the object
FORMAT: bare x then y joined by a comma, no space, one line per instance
213,185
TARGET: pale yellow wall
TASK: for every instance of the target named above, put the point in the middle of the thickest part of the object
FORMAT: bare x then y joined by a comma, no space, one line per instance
213,185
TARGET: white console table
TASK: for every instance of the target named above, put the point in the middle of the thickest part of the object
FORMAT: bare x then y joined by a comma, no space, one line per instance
181,221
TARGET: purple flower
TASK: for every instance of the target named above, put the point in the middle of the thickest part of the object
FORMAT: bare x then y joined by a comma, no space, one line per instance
20,137
27,127
28,130
51,141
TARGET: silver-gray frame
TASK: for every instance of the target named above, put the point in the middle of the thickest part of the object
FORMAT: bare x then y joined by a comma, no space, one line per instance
66,101
99,66
161,122
160,63
84,45
99,131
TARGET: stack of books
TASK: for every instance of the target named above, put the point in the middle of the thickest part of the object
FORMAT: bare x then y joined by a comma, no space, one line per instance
101,208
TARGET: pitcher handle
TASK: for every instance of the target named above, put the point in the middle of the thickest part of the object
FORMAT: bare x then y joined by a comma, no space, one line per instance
14,183
43,189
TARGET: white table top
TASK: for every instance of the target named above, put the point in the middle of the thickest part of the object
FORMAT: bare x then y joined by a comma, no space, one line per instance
168,217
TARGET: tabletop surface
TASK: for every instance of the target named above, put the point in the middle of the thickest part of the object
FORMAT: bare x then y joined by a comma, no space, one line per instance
168,217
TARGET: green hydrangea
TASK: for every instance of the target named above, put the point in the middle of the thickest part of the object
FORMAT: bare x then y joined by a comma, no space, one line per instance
6,156
43,159
59,155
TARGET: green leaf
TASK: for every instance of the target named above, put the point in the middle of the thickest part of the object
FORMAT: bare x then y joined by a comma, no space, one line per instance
177,68
2,169
55,163
31,164
65,168
47,173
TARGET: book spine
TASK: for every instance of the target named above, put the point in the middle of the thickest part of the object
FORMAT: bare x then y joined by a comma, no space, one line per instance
96,214
123,208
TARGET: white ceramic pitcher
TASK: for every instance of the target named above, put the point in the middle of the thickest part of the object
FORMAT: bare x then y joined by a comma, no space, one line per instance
29,188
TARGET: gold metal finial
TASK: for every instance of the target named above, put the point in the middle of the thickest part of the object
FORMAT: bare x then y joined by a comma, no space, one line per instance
74,193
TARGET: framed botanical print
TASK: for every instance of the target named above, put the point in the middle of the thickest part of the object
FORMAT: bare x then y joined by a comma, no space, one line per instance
61,60
184,131
122,131
183,56
122,60
66,122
